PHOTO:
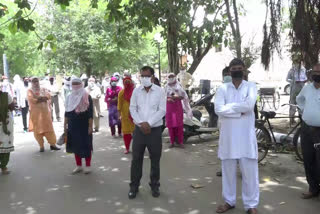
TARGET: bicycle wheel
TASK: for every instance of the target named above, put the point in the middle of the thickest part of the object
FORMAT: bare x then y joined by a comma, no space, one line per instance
297,144
263,140
276,100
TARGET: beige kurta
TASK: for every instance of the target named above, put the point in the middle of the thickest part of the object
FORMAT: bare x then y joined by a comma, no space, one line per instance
40,113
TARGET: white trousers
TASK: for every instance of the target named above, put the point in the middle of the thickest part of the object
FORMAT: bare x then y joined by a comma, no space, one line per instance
250,181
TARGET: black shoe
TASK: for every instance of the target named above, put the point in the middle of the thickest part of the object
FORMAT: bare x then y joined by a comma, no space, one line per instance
133,194
55,148
41,149
155,192
219,174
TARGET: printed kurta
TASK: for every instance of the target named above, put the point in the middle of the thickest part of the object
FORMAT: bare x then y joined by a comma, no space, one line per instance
6,141
126,119
111,94
40,113
235,110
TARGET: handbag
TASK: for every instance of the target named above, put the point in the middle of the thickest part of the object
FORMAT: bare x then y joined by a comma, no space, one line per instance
62,139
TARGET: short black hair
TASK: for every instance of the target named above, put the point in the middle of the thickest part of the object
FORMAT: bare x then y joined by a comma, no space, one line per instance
147,68
236,61
225,70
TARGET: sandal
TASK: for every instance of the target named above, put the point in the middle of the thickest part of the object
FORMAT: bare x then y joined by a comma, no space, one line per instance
224,208
5,171
252,211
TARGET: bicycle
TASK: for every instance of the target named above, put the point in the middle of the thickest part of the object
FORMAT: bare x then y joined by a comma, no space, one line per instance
266,138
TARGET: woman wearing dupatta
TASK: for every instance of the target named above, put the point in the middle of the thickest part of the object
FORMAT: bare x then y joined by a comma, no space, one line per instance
174,114
112,101
40,115
78,125
123,108
6,130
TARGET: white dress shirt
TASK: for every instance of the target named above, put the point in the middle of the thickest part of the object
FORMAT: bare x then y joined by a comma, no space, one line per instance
149,106
235,108
295,76
309,102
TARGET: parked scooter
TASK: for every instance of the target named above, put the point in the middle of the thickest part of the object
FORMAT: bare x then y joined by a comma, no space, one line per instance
193,126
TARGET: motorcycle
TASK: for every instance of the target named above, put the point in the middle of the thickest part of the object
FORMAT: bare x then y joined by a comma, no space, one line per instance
193,126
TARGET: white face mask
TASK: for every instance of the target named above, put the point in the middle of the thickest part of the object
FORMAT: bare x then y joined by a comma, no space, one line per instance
91,84
227,79
113,84
146,81
171,80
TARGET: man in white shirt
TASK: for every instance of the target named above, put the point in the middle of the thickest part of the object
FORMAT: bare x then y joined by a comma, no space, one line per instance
147,108
95,94
54,93
234,104
309,102
297,77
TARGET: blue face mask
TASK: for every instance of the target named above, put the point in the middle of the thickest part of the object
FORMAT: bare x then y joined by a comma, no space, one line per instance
227,79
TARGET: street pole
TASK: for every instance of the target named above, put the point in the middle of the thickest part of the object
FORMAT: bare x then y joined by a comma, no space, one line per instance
159,62
5,66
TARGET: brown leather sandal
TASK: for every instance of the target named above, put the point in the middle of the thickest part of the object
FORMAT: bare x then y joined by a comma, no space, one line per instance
252,211
224,208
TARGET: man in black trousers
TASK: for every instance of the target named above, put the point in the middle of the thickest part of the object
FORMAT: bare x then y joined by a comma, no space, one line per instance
309,102
147,108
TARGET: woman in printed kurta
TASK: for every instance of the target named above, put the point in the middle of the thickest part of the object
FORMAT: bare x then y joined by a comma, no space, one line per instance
6,130
174,113
112,101
40,115
123,108
78,125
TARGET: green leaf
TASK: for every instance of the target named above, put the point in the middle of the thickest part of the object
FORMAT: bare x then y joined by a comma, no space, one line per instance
94,3
23,4
13,27
40,46
18,14
53,47
51,37
1,36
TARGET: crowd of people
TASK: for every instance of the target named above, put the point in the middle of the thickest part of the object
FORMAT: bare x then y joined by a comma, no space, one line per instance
137,114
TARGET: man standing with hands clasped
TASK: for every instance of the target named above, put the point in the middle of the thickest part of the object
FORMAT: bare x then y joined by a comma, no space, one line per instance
234,104
309,102
147,108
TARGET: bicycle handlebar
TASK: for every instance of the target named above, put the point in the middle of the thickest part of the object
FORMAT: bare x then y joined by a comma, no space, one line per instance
288,104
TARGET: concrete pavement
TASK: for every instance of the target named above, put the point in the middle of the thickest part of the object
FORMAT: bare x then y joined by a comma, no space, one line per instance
40,183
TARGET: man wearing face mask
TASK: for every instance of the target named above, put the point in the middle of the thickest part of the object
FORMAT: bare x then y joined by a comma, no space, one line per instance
226,75
234,104
95,93
54,93
308,101
297,78
7,86
147,108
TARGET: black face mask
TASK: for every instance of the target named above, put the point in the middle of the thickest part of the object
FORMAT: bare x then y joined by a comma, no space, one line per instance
316,78
237,74
26,83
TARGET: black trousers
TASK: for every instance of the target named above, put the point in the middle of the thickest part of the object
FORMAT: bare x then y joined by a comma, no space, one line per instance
311,156
25,111
153,142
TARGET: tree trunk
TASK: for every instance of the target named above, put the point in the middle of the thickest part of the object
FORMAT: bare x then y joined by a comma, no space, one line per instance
235,29
172,42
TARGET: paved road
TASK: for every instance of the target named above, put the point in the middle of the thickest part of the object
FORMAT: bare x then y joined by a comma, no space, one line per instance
42,184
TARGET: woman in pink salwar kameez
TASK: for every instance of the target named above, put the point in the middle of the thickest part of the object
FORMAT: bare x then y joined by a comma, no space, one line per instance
177,102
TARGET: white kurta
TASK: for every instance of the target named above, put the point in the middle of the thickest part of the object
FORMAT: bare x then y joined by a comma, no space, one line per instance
235,108
6,145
